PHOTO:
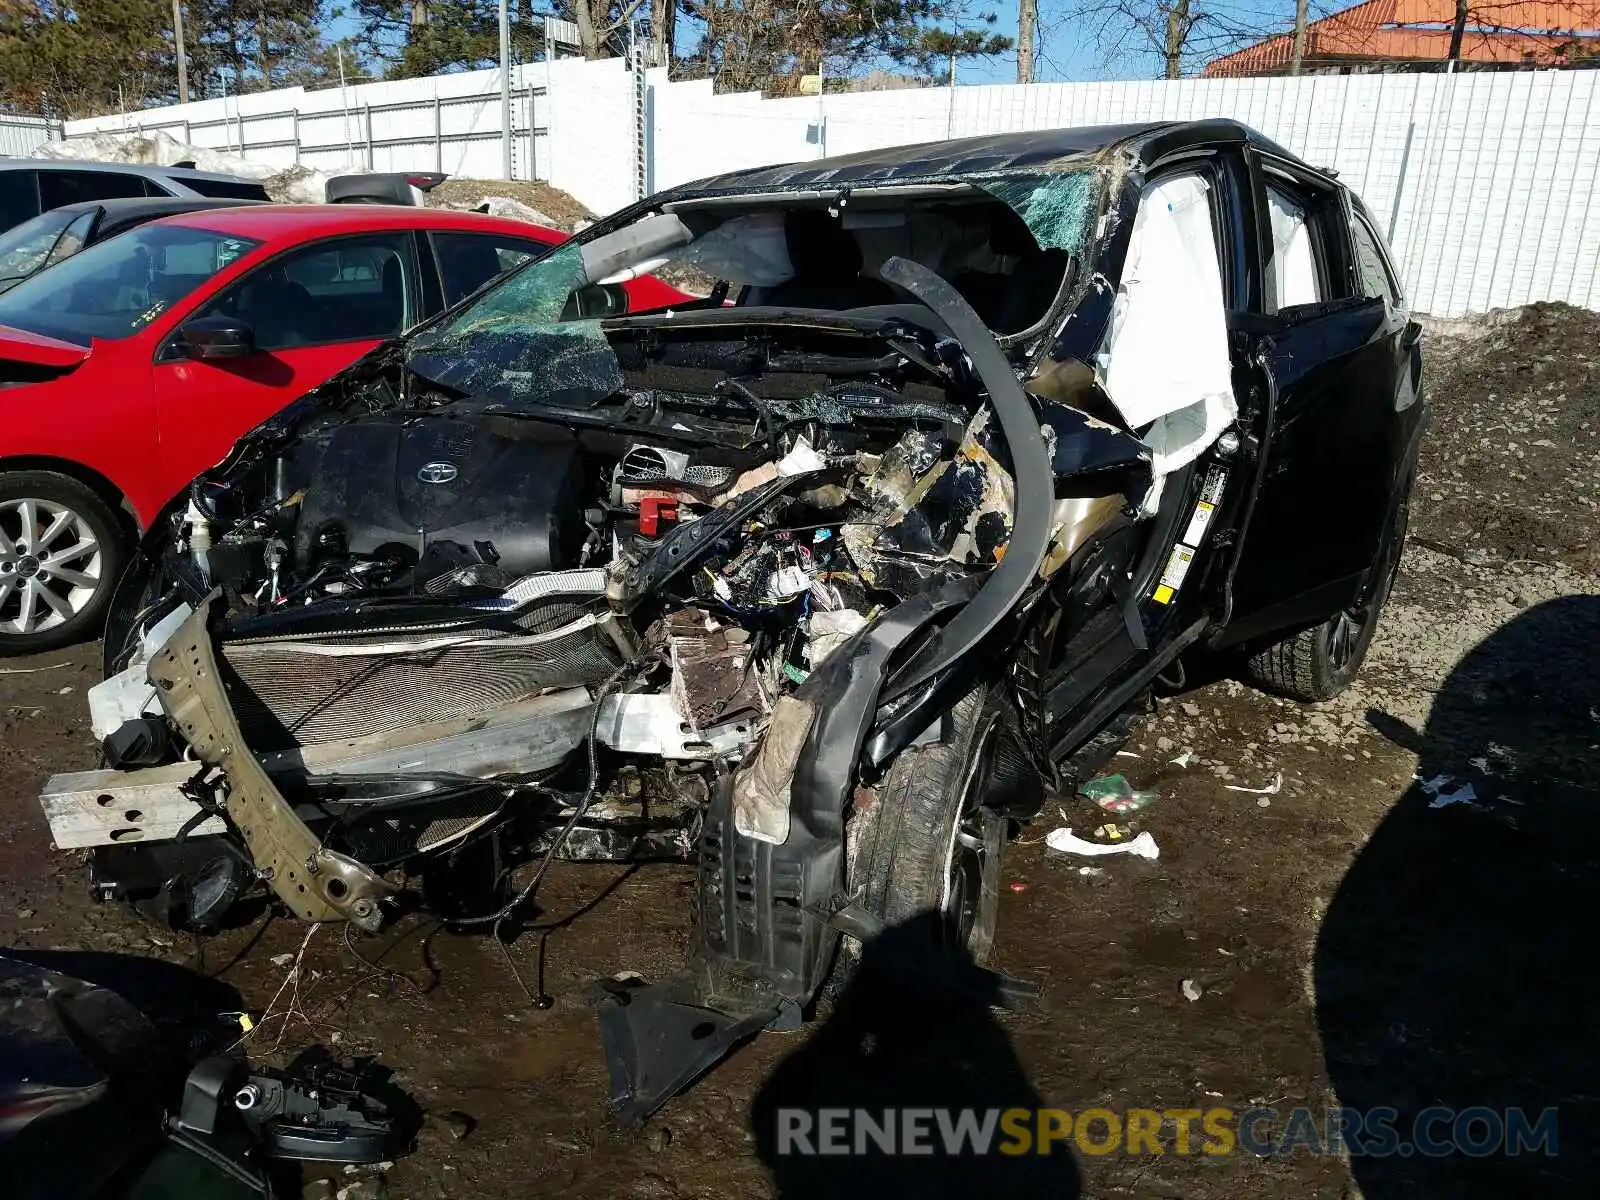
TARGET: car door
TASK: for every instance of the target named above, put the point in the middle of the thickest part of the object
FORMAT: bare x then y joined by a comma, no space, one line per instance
1341,425
1110,621
311,312
467,261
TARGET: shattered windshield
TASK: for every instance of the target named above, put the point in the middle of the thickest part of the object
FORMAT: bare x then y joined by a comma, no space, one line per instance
525,338
1058,209
1007,243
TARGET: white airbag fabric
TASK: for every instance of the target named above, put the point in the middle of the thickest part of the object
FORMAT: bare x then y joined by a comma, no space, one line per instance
1293,265
1165,360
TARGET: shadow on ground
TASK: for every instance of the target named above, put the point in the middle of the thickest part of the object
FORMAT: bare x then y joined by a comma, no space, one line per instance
1454,964
912,1030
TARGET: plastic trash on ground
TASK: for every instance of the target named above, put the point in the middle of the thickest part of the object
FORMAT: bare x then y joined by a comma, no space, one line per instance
1114,794
1064,841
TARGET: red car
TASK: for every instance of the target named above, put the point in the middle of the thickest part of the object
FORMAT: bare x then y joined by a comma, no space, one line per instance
131,367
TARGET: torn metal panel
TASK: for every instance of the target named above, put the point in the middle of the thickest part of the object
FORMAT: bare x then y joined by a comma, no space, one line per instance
94,808
713,677
652,723
128,695
955,515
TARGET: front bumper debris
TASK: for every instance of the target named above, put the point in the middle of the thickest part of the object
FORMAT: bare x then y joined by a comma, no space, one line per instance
316,883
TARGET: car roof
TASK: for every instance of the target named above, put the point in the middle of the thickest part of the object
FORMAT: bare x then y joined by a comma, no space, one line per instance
1035,150
144,169
297,222
148,208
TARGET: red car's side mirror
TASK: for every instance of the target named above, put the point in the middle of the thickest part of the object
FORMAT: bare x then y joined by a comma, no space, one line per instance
216,337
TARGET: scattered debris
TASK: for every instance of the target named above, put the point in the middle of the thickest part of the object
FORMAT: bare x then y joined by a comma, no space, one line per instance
281,960
1019,887
1272,789
32,670
1191,990
1437,787
1183,759
66,691
1063,841
1465,794
1114,794
1091,872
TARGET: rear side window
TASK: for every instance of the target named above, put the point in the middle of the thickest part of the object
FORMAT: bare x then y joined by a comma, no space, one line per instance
226,189
19,197
467,261
1294,262
1372,264
74,187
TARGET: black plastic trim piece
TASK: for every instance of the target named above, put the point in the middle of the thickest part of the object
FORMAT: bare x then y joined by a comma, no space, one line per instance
1030,465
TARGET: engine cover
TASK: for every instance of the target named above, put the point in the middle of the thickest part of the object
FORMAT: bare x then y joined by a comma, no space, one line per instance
395,485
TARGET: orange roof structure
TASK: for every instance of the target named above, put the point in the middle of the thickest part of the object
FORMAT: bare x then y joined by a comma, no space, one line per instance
1506,33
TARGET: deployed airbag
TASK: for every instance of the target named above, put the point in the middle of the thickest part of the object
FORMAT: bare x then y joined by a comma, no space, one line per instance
1165,360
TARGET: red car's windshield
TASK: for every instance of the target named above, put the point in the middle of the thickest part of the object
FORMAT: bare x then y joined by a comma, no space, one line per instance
115,289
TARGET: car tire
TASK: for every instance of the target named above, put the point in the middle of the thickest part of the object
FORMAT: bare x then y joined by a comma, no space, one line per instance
926,841
62,549
1319,663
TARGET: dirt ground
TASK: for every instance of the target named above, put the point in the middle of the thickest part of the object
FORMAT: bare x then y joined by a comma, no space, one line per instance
1347,939
563,211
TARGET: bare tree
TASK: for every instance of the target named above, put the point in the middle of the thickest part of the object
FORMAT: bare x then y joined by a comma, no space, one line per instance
663,28
1027,34
1297,52
601,25
1179,33
1458,30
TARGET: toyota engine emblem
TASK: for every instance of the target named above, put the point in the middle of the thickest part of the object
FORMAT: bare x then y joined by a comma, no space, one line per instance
437,472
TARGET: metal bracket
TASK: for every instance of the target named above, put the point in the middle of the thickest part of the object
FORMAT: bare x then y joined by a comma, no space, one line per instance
316,883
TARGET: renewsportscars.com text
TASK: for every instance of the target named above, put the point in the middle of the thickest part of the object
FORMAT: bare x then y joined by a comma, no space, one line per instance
1376,1132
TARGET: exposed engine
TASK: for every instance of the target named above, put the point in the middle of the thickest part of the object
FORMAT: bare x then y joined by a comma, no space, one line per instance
431,607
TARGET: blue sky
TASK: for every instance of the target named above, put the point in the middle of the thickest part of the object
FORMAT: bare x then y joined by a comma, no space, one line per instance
1070,49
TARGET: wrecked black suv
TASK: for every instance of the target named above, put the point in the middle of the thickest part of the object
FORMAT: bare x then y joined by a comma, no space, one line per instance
823,582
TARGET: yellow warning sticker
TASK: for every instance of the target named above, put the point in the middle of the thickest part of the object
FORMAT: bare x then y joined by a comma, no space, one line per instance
1172,577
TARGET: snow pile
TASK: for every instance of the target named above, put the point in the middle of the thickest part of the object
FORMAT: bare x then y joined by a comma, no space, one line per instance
504,206
287,185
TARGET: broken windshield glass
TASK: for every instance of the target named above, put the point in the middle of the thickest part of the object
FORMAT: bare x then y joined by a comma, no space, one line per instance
511,343
1007,245
1058,209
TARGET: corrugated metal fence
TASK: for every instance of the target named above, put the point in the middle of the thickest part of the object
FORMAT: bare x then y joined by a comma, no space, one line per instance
21,135
1484,182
